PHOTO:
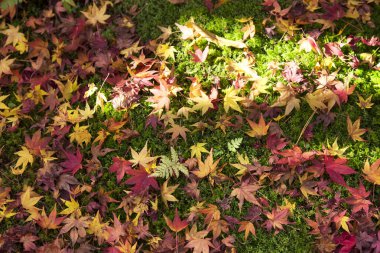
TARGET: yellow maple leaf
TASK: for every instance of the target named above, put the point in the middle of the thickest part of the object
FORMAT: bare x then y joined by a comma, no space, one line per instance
28,201
80,135
5,64
363,103
165,51
96,15
87,113
68,88
72,206
36,94
97,228
242,165
2,105
354,130
230,99
166,192
16,38
198,149
143,158
203,103
134,48
372,172
25,158
335,150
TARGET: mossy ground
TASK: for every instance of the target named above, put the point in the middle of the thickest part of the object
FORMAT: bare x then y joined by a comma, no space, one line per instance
223,22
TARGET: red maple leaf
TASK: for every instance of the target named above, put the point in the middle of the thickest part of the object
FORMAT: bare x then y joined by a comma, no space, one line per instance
73,162
359,199
120,166
141,181
337,168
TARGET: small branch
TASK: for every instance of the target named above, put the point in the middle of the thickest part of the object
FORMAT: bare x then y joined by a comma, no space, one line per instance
305,126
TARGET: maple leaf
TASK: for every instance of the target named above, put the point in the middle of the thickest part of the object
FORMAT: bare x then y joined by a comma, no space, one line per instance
198,242
372,172
160,97
249,30
28,242
336,168
25,158
308,44
36,145
165,51
354,130
199,55
16,38
247,227
198,149
5,64
120,166
2,105
166,32
258,129
51,221
342,221
141,180
307,187
87,113
72,206
245,192
76,226
97,228
73,162
230,99
335,150
212,213
134,48
116,231
142,158
80,135
166,193
67,89
28,201
363,103
177,224
207,167
276,219
96,15
203,101
177,130
359,199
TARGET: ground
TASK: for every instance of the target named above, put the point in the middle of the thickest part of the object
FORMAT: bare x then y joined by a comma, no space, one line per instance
93,183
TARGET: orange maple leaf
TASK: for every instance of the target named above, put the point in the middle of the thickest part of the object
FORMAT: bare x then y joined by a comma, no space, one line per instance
258,129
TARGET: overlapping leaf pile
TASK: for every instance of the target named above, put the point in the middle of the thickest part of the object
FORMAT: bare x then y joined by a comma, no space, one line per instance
64,71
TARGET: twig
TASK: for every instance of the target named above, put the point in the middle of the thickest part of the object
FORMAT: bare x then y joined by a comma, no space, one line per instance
305,126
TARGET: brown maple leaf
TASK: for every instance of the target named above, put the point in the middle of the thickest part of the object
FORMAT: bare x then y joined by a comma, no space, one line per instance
276,219
354,130
177,130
